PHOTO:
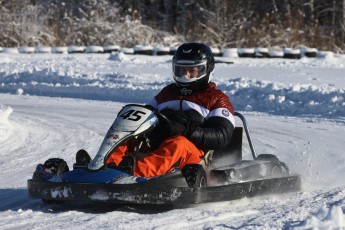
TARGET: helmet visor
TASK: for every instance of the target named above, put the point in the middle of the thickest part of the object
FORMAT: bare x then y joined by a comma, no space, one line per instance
189,70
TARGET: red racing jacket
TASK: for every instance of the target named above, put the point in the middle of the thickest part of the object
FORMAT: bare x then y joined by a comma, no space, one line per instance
212,104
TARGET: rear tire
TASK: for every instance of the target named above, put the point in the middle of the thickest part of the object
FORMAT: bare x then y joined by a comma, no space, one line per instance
268,157
276,169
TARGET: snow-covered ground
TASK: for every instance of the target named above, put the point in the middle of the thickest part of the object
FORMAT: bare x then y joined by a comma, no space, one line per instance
51,105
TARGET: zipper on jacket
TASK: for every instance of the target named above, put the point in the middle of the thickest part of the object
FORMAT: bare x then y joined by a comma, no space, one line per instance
181,100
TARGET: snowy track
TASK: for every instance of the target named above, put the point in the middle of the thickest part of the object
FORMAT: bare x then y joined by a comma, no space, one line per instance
59,131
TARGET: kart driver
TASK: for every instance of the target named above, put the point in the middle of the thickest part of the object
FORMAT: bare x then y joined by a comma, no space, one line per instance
202,116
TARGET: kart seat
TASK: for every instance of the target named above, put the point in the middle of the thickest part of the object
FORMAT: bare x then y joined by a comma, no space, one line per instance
232,153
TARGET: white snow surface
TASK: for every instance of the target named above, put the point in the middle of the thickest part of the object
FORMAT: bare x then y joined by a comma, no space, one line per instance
51,105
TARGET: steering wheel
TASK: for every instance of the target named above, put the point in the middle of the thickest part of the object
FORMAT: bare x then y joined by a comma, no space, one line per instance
162,117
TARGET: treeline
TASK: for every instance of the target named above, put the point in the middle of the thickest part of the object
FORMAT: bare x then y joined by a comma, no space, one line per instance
220,23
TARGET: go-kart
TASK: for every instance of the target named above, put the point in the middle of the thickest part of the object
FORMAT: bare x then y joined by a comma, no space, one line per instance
221,176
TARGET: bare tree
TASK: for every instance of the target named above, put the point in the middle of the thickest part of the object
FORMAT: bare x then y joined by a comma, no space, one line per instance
223,23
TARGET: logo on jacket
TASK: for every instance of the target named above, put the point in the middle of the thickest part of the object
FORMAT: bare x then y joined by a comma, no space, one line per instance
225,112
185,91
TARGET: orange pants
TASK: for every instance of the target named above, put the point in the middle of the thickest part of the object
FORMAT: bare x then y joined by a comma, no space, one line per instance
161,160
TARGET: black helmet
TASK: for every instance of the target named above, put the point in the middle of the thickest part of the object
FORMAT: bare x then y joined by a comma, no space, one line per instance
193,65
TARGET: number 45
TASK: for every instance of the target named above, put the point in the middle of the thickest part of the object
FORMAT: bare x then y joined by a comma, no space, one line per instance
132,115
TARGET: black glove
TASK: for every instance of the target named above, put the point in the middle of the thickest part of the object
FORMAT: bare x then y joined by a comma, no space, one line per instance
181,122
194,120
174,128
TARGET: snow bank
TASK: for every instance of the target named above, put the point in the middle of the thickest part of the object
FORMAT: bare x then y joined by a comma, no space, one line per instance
296,91
282,99
246,94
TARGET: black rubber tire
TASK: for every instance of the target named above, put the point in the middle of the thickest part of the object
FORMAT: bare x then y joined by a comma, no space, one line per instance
276,169
269,157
